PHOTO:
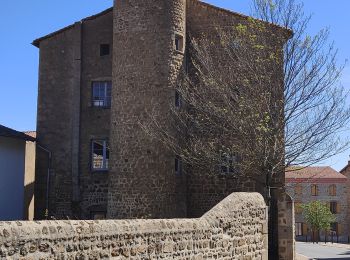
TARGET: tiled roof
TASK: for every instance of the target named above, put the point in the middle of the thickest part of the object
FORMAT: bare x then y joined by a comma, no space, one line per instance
323,173
345,167
8,132
30,133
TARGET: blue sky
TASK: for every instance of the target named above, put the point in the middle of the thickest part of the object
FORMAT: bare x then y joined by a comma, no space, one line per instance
23,21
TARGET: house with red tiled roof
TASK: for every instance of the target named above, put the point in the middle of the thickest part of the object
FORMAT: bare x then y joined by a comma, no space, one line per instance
319,183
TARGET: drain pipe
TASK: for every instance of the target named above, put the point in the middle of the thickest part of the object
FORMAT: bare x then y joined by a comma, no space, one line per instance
47,180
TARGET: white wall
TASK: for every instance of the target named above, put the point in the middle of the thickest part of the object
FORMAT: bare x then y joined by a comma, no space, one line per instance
12,157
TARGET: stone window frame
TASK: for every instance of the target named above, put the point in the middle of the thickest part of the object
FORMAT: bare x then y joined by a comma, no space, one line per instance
179,43
106,102
105,162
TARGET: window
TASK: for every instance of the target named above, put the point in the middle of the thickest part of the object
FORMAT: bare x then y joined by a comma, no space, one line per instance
100,155
314,190
104,49
101,93
298,229
332,190
298,189
178,165
334,227
178,99
179,43
98,215
333,207
227,163
298,208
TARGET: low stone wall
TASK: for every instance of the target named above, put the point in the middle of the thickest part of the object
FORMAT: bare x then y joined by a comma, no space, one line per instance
234,229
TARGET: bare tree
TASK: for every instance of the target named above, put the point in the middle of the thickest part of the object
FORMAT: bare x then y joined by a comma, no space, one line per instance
230,120
254,103
315,103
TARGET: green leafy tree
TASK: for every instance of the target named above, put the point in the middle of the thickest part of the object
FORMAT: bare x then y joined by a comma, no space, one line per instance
318,216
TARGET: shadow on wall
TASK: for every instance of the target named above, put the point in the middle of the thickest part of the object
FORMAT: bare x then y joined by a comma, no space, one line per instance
28,205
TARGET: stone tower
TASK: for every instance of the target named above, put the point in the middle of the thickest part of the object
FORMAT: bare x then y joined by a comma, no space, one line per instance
148,55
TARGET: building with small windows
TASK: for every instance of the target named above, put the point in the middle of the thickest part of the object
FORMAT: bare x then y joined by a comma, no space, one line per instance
98,80
322,184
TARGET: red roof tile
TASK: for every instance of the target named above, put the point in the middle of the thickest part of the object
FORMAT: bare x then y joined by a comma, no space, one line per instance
320,173
31,133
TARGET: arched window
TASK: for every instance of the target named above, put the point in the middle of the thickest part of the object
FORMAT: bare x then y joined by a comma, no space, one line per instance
332,190
314,190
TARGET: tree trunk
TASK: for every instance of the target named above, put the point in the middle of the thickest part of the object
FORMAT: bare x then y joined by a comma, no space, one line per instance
273,228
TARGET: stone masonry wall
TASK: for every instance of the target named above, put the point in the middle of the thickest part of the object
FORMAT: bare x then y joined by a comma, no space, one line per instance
146,65
234,229
94,121
58,120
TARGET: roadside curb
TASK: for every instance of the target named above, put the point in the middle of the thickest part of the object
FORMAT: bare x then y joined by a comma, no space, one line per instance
337,245
302,257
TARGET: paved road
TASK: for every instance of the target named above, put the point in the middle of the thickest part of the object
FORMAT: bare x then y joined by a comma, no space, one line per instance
319,251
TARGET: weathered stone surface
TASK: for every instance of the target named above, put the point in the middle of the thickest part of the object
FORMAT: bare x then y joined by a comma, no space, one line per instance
225,232
143,66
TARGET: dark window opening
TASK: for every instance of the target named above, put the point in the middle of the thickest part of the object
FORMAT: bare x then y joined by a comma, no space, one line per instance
179,43
178,165
100,155
178,99
101,93
228,163
334,227
333,207
104,49
314,190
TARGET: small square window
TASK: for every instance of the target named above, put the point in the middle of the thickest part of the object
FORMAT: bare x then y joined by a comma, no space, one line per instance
104,49
99,155
179,43
101,93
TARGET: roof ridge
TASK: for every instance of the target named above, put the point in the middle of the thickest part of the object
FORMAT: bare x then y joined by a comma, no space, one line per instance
37,41
242,15
9,132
